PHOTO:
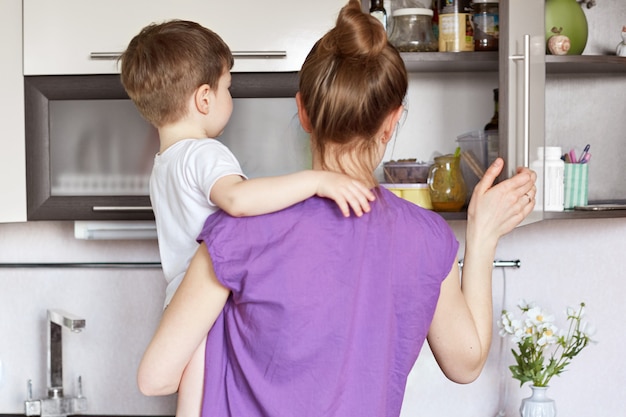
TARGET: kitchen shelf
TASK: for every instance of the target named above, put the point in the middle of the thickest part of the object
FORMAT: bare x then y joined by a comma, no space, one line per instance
488,62
585,64
453,215
561,215
450,61
583,214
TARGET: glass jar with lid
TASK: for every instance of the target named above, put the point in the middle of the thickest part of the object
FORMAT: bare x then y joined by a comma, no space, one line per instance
413,30
486,25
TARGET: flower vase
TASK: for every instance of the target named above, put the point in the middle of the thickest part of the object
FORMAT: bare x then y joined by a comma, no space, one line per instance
568,15
538,404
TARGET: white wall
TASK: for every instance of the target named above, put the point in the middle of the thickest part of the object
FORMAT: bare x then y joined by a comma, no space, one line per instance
563,262
121,308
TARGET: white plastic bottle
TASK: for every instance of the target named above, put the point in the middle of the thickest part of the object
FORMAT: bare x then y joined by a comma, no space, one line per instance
550,189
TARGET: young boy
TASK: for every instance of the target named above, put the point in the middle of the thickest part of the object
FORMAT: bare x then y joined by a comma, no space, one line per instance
178,75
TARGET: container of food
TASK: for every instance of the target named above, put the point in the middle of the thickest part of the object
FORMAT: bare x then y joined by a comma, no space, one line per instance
413,30
486,25
415,193
456,33
405,171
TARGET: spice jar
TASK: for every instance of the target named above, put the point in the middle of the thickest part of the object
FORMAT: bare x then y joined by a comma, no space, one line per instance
486,25
413,30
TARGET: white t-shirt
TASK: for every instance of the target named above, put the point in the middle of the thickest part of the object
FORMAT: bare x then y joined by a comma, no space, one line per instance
180,189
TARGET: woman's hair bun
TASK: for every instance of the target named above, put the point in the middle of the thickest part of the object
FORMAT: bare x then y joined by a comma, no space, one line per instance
357,34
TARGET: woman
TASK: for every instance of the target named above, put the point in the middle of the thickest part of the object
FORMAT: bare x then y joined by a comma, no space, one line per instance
312,314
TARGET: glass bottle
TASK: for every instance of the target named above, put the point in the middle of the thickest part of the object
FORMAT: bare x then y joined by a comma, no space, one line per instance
435,10
491,132
493,123
377,9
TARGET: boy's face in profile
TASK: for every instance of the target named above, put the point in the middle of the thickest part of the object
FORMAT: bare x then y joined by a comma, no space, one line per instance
221,106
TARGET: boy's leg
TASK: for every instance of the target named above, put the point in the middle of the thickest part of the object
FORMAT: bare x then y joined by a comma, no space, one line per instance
190,391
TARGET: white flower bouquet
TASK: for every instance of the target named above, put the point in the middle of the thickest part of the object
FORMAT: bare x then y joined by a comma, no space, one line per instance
543,350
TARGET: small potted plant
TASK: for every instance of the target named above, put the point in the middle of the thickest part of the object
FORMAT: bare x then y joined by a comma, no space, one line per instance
542,350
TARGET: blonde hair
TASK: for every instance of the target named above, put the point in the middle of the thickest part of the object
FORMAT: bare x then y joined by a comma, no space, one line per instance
352,79
165,63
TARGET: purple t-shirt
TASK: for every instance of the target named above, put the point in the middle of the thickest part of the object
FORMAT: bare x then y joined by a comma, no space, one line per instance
327,314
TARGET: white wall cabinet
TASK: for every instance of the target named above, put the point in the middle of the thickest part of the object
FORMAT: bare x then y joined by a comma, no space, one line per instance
74,37
85,37
12,159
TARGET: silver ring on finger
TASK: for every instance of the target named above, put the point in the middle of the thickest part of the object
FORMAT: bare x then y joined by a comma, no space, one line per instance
530,199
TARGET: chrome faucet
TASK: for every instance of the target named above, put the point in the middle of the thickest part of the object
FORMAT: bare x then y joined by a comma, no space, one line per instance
56,404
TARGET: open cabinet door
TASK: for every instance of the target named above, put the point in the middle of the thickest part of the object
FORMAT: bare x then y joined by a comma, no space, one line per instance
522,87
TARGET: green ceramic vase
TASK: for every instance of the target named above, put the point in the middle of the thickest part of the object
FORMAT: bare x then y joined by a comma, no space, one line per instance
567,14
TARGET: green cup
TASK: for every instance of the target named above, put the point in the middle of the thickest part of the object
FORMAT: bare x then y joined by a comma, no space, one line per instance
576,180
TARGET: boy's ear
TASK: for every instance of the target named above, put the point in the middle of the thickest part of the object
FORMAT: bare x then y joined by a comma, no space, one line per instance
302,115
202,98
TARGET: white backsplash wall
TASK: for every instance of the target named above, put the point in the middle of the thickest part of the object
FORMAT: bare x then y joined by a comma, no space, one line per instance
562,262
121,308
442,106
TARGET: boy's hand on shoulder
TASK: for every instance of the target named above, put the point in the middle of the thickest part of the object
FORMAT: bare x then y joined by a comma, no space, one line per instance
347,192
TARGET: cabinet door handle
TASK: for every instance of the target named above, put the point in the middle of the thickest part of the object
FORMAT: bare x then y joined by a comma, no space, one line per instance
259,54
122,208
525,58
112,56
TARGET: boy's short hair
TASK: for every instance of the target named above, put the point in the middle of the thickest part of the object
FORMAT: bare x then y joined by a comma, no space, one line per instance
166,62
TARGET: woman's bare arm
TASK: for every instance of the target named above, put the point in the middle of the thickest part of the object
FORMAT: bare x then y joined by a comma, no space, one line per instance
460,334
185,323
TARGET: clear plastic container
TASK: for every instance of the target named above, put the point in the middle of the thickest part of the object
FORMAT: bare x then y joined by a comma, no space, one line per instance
413,30
478,150
406,171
